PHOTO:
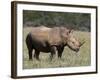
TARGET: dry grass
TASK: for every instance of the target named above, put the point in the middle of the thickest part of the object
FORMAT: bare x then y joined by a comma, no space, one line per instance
69,58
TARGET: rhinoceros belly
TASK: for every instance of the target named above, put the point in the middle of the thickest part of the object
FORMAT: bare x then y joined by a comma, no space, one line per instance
41,46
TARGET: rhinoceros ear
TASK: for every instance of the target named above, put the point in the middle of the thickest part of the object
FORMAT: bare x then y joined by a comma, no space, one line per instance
70,31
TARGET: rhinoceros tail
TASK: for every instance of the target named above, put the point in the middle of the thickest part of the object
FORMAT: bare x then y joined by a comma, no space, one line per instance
29,41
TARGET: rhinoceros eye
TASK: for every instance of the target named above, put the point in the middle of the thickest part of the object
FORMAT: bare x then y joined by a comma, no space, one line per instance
73,42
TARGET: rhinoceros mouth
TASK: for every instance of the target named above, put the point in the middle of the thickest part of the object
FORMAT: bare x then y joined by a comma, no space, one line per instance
76,50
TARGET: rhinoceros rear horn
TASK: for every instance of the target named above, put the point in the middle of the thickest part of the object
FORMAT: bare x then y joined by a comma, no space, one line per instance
82,43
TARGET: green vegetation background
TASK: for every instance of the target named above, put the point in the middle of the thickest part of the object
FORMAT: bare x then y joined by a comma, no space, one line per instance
77,21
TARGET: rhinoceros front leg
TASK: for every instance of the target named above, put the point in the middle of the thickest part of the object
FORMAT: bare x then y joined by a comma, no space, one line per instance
53,52
60,51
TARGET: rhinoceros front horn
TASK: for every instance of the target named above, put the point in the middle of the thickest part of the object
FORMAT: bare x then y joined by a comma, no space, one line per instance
82,43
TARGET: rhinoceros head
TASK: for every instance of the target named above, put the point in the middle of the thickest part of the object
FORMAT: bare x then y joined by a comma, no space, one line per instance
72,42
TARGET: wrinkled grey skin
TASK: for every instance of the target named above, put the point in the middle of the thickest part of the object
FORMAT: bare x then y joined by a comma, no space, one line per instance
43,39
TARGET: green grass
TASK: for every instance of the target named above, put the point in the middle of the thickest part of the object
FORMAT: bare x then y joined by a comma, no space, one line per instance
69,57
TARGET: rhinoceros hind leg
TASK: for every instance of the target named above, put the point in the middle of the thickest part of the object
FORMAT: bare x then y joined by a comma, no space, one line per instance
29,46
30,54
36,54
